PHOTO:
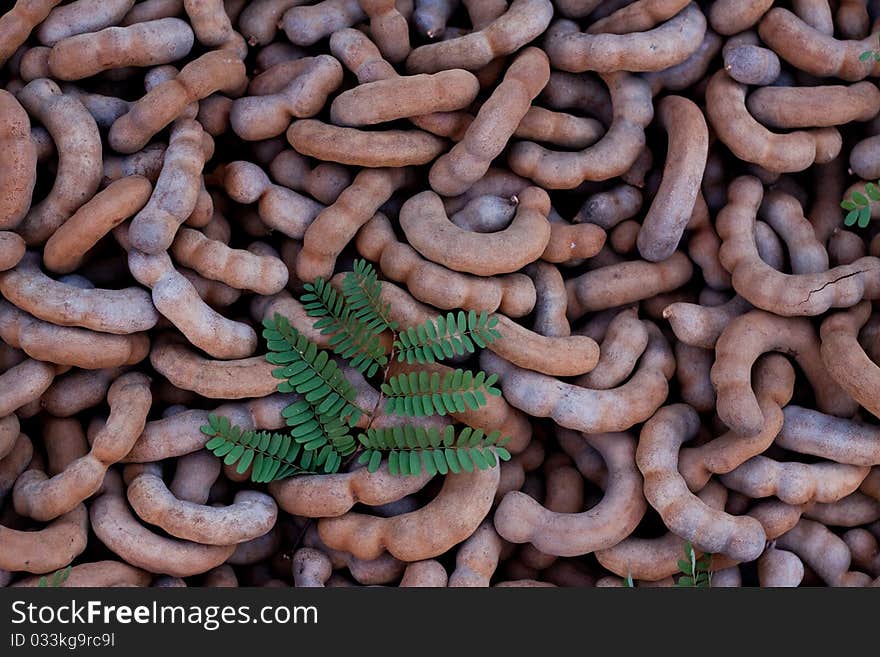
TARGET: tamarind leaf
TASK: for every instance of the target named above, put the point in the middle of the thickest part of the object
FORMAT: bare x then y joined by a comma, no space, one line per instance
851,217
864,217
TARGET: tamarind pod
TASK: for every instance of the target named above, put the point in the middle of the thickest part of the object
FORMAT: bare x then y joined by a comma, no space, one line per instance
845,247
808,107
816,14
404,97
428,573
690,71
17,23
311,568
808,431
213,26
752,64
493,126
43,498
325,182
307,25
79,17
523,21
14,463
430,16
323,496
47,549
623,344
551,300
477,558
78,390
496,182
609,208
578,91
12,250
780,568
864,550
451,517
261,117
692,372
664,46
671,208
851,511
824,552
24,383
485,214
252,514
785,216
732,16
336,225
214,379
66,345
109,311
558,128
700,326
784,294
513,294
107,573
430,232
9,430
577,8
815,53
571,243
79,158
217,70
620,284
388,28
19,161
387,148
194,476
521,519
583,409
611,156
147,163
739,537
639,16
863,159
852,19
237,268
213,293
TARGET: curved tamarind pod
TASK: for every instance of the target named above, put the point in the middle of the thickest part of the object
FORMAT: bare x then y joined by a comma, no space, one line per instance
17,23
559,128
12,250
23,383
609,208
337,224
700,326
521,519
67,345
611,156
493,126
214,379
824,552
774,387
767,288
217,70
428,573
237,268
323,496
118,529
810,107
107,573
176,192
80,17
780,568
523,21
692,373
143,44
194,476
671,208
66,248
740,537
78,390
279,208
431,233
403,97
844,441
213,26
748,139
863,159
863,546
783,213
664,46
78,142
654,559
251,514
732,16
262,117
755,333
43,498
497,182
639,16
485,214
815,53
624,343
307,25
477,558
513,294
176,299
845,247
620,284
572,243
846,360
311,568
795,483
451,517
110,311
259,20
48,549
325,182
386,148
19,162
276,78
551,300
690,71
388,28
146,163
752,64
582,409
851,511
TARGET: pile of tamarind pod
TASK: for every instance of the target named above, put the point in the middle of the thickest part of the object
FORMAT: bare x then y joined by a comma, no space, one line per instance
646,193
